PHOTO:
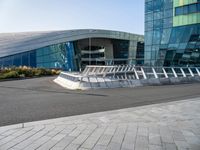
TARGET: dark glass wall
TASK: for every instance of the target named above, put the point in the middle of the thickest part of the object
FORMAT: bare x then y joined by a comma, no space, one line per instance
120,51
22,59
140,53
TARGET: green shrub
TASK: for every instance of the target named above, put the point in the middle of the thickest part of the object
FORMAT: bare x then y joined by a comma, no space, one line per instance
11,74
42,72
22,72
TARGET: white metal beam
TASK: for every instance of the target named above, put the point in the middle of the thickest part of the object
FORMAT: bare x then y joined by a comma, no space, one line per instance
184,75
192,74
198,71
143,73
174,72
154,72
165,73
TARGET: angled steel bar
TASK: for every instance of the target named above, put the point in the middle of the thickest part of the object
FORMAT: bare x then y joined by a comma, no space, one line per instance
136,74
154,72
184,75
174,72
165,73
143,73
198,71
191,73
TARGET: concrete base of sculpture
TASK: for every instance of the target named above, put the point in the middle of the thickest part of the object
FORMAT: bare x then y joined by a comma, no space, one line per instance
85,83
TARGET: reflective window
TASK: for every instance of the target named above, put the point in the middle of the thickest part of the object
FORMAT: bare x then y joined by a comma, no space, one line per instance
166,36
17,61
149,6
32,59
157,24
192,8
156,36
25,59
187,9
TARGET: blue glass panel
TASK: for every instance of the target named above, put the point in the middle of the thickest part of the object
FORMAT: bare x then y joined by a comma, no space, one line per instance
8,61
149,6
17,61
187,9
198,7
33,58
192,8
70,56
179,11
1,63
25,59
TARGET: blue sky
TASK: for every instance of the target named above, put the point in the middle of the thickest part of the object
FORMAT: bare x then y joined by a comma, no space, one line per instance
45,15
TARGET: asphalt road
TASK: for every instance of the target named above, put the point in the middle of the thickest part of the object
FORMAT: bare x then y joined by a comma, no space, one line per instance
40,98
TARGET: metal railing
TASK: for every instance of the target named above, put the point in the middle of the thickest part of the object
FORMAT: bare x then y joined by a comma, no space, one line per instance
127,76
137,72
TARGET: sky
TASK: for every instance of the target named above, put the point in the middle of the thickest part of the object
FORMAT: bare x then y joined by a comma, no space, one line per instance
46,15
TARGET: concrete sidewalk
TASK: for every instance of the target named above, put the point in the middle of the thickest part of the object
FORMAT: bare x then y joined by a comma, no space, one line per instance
167,126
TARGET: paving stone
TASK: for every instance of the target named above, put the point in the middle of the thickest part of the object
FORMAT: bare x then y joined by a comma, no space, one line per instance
169,146
155,147
154,139
82,149
167,139
68,129
193,140
38,143
99,147
141,143
52,142
80,139
178,136
104,139
9,132
78,130
154,130
129,140
17,140
1,137
30,140
72,147
63,143
110,130
182,144
119,134
93,138
14,136
195,146
142,131
114,146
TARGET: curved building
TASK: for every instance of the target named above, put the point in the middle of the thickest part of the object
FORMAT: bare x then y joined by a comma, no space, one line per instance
70,50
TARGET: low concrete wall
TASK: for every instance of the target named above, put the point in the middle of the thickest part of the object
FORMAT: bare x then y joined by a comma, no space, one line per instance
111,83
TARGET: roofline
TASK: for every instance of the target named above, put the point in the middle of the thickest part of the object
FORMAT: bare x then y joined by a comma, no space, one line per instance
84,29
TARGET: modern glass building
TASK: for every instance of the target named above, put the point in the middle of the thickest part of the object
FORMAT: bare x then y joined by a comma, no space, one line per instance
70,50
172,32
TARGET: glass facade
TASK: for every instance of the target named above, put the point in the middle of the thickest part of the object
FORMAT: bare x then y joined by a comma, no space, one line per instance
59,56
172,32
73,56
25,59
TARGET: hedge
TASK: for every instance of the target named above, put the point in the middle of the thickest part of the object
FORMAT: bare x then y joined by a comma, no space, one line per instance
22,72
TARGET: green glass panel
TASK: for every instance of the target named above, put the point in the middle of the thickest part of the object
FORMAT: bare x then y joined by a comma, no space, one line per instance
186,19
178,3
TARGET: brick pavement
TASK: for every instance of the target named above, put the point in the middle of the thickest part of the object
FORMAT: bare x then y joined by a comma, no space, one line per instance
167,126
